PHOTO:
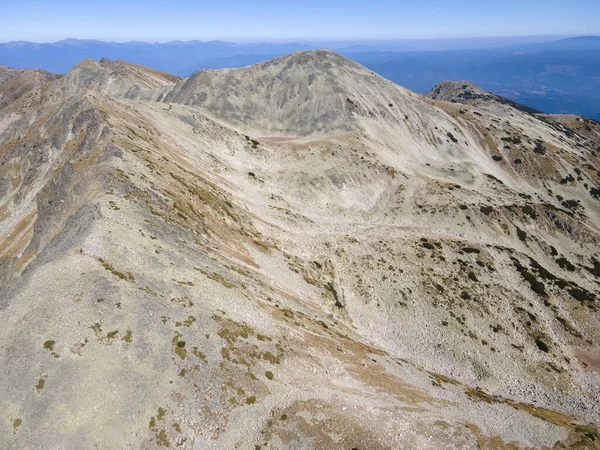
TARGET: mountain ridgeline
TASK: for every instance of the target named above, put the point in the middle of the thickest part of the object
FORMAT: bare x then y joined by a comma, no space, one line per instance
553,75
294,254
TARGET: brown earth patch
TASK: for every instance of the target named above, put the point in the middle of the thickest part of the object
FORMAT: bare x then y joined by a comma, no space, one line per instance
590,358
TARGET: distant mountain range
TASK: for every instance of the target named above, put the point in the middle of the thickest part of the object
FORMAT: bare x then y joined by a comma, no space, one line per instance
180,58
554,76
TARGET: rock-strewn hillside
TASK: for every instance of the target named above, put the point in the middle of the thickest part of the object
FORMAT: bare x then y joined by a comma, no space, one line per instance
14,84
298,254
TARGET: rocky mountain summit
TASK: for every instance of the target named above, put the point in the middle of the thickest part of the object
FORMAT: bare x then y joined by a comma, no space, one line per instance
296,254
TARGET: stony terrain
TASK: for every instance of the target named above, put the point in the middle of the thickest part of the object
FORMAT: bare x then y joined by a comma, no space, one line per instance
297,254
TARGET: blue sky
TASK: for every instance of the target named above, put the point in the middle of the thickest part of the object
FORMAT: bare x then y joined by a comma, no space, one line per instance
153,20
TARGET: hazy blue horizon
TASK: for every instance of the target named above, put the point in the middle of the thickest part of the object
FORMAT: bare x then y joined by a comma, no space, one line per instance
387,45
270,20
309,40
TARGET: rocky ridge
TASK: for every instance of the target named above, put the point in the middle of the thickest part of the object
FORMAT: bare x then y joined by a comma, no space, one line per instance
294,254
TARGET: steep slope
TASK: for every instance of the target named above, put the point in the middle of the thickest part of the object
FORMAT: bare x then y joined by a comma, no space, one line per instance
114,78
582,125
301,94
294,95
343,264
52,130
16,83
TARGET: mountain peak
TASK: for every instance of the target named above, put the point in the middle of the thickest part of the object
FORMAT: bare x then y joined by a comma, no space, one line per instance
458,92
320,58
115,77
469,93
86,63
299,94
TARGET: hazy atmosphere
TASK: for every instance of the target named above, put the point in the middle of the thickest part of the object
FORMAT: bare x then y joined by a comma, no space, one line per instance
161,21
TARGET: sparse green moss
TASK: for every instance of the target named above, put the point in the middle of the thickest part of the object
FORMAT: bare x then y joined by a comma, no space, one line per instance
250,400
221,279
40,384
111,269
16,424
180,352
199,354
585,434
189,321
440,379
474,394
225,354
128,336
112,334
269,374
268,356
49,345
183,283
161,438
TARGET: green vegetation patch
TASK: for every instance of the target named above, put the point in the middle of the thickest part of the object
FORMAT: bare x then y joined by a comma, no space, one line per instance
221,279
123,276
128,336
40,384
49,345
112,334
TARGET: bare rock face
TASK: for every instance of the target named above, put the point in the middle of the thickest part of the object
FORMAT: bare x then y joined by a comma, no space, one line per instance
297,254
19,87
305,93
